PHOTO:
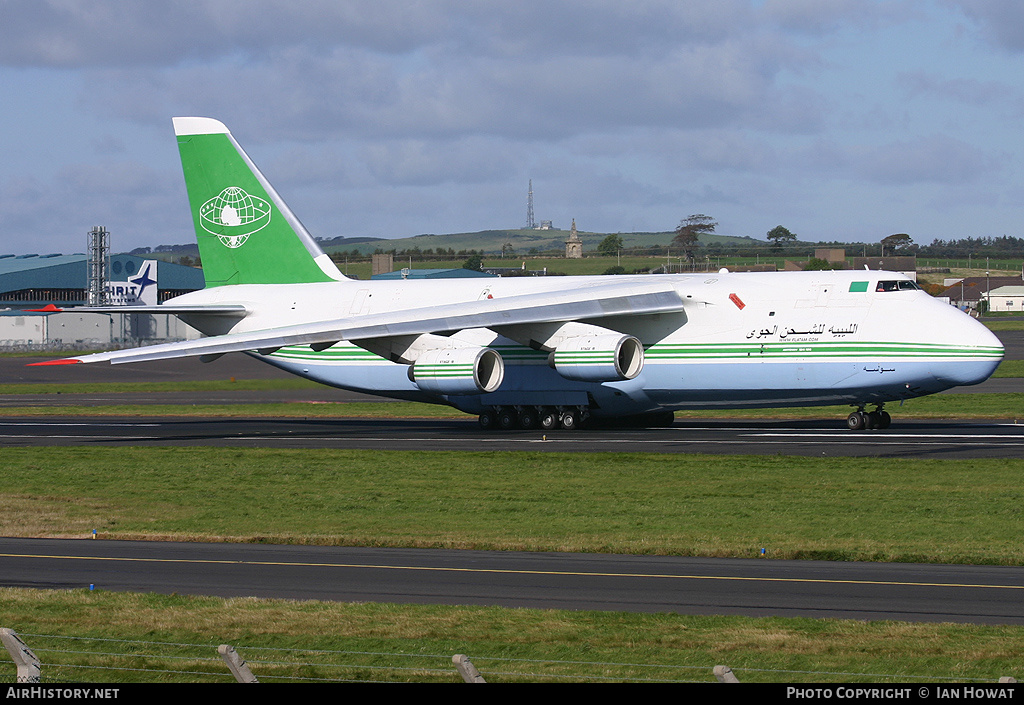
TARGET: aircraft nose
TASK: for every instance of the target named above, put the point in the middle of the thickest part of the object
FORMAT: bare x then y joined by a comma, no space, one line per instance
979,352
983,338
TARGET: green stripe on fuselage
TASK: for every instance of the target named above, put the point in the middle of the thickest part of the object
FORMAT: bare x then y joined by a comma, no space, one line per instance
690,352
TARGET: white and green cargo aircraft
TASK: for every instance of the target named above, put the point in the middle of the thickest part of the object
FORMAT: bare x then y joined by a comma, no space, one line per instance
551,351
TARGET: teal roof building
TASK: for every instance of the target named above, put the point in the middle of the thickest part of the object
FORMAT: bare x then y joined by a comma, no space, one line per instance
35,281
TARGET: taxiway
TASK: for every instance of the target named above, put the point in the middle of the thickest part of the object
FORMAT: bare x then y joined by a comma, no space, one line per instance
694,586
931,439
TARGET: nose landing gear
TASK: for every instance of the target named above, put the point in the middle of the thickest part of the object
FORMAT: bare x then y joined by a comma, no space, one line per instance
860,419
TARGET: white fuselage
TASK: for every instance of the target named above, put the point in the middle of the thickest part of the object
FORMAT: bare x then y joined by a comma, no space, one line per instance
741,340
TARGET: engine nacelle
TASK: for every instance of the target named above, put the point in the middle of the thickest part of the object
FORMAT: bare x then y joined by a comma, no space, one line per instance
599,358
470,370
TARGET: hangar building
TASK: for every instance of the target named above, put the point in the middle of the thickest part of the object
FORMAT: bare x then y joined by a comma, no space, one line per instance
38,295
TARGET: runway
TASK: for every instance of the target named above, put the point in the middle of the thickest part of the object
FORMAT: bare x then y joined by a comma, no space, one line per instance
755,588
931,439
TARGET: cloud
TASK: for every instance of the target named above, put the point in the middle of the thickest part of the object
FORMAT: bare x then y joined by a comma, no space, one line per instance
312,94
133,201
423,163
933,159
413,69
1001,21
821,17
969,91
400,116
109,33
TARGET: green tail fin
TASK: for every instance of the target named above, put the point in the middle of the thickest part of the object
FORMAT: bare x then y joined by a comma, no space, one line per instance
246,233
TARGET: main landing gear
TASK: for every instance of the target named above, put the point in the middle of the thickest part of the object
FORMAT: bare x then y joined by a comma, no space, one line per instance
568,418
546,418
860,419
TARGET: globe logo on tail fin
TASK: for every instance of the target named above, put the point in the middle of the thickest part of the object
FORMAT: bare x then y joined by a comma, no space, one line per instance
233,215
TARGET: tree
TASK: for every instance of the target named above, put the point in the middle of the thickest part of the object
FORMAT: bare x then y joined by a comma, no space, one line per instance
610,245
689,231
780,236
475,262
815,264
897,244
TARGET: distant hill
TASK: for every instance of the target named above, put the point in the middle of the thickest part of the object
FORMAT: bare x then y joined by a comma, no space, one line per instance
522,241
486,241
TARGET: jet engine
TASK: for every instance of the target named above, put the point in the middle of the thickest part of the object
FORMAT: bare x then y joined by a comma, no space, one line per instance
469,370
599,358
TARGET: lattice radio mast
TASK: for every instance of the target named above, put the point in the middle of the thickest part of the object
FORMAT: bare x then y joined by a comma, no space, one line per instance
530,224
99,257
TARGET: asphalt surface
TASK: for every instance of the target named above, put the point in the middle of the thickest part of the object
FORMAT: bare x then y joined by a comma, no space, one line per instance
912,439
757,588
239,366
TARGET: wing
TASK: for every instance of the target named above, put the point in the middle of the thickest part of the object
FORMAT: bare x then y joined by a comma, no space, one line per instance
584,303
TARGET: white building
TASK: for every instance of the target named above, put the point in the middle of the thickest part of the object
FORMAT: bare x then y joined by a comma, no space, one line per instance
1007,298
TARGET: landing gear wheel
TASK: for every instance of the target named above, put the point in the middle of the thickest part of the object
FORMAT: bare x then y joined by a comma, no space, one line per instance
487,420
508,419
874,419
548,419
528,418
857,421
663,419
571,420
884,420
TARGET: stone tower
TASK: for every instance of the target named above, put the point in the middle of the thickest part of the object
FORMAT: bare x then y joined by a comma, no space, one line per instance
574,246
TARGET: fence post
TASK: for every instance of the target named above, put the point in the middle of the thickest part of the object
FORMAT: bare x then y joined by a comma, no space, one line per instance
26,661
724,674
239,668
466,669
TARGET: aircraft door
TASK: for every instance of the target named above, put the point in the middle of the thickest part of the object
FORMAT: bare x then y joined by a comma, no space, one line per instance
360,303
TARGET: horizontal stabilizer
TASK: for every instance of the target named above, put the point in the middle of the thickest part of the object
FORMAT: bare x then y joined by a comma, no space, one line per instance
63,361
235,310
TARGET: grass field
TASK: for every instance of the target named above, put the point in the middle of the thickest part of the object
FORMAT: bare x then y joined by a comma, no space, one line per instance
1010,368
823,508
995,325
157,638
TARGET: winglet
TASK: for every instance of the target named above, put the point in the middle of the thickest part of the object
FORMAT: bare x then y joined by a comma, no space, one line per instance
63,361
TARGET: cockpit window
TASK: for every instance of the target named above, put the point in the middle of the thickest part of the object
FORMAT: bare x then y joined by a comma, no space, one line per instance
897,285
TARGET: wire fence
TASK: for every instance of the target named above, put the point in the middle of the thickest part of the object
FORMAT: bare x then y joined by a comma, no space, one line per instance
13,345
28,346
83,659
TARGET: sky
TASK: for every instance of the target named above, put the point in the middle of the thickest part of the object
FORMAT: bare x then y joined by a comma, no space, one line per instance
844,120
